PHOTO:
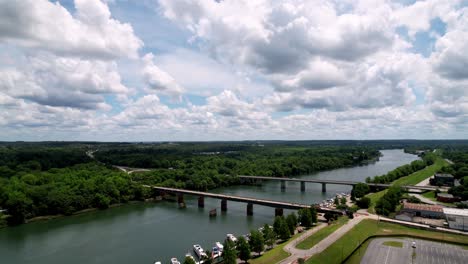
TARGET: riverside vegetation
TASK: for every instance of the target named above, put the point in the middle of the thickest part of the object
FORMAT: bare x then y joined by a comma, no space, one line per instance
42,179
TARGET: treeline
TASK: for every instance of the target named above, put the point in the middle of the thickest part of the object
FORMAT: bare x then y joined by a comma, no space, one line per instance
388,202
65,191
459,169
240,160
405,170
14,160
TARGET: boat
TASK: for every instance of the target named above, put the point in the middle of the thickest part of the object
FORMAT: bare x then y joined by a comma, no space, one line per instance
174,261
157,262
219,246
199,251
232,238
215,253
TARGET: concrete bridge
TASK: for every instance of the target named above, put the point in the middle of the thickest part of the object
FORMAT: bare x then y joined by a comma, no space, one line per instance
279,206
325,182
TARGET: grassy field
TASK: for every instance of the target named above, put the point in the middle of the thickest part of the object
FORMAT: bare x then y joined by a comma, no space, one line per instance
374,198
421,175
274,255
351,240
393,244
322,233
411,179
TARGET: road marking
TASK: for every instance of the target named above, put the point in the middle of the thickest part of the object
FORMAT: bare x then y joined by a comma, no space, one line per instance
386,258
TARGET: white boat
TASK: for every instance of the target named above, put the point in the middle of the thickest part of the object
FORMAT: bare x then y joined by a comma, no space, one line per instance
199,251
157,262
232,238
215,253
174,261
219,246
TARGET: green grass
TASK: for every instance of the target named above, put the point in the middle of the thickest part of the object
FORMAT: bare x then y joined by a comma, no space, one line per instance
421,175
393,244
322,233
274,255
374,198
411,179
366,228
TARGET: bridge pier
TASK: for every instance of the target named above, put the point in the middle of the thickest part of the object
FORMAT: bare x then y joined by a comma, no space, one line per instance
283,185
201,202
223,205
324,187
249,208
180,200
278,212
302,186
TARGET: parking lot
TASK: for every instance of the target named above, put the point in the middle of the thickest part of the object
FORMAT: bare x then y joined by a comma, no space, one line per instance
426,252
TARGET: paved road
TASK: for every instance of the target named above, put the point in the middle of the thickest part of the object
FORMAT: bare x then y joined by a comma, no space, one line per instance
426,252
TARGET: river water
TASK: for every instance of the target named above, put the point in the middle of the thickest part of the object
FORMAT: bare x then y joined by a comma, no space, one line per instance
146,232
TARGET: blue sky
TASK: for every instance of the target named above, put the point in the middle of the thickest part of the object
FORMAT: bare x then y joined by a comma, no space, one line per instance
156,70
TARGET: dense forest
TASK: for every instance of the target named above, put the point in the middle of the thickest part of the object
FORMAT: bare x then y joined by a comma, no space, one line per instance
50,178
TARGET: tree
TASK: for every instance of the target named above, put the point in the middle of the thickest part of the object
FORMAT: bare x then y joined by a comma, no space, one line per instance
269,235
257,241
18,206
189,260
343,200
364,202
313,213
283,232
244,249
229,252
291,220
336,201
277,224
328,216
305,217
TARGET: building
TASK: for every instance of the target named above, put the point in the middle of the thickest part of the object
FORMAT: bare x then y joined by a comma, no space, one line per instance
442,179
423,210
447,198
404,217
457,218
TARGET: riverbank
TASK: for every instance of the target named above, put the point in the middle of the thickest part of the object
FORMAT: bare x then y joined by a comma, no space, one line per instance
81,212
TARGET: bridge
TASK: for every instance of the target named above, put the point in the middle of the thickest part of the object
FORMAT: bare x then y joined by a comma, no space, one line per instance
279,206
325,182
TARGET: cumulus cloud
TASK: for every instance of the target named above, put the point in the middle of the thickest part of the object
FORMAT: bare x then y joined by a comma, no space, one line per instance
159,80
58,81
91,32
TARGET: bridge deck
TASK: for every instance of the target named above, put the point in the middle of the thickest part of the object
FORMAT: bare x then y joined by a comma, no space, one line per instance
264,202
351,183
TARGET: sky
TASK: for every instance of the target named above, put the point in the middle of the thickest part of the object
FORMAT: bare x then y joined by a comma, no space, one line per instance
191,70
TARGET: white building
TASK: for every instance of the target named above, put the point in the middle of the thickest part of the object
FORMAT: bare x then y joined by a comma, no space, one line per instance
457,218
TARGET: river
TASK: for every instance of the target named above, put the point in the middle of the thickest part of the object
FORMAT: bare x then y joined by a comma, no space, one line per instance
146,232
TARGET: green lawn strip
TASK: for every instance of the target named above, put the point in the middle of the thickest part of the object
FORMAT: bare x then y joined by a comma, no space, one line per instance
344,246
393,244
274,255
374,198
322,233
421,175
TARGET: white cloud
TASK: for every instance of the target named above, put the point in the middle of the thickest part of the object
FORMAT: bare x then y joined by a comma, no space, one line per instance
57,81
159,80
49,26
